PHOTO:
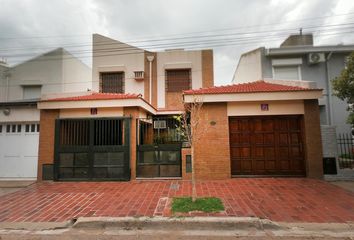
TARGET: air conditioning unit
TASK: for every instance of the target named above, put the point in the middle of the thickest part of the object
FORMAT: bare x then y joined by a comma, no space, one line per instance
316,58
160,124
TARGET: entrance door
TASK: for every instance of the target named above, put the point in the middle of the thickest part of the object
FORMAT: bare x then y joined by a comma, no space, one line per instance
92,149
159,148
267,145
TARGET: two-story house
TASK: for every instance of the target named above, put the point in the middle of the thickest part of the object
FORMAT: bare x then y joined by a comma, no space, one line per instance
125,128
128,83
299,59
21,86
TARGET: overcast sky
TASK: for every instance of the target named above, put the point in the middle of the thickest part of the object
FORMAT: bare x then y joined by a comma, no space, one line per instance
30,27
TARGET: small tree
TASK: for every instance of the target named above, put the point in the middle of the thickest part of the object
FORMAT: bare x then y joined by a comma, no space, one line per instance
343,87
189,128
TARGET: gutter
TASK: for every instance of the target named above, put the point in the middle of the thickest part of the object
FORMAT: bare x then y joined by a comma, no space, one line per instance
150,59
19,103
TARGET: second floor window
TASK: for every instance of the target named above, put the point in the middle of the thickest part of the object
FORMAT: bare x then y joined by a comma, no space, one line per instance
112,82
178,80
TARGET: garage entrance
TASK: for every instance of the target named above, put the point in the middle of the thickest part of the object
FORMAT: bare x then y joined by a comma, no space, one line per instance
92,149
19,150
267,145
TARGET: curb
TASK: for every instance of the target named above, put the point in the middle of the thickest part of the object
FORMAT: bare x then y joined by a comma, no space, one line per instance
35,226
190,223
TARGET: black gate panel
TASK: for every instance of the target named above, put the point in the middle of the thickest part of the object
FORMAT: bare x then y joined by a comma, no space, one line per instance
161,160
92,149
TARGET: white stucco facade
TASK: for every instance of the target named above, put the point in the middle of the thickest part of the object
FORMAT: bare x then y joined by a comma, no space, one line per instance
178,59
249,67
113,56
21,86
54,72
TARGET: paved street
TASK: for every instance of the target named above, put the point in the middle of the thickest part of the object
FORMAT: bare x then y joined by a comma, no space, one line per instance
163,235
282,200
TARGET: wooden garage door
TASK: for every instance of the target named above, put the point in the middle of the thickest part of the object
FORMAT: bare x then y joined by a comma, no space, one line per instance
267,145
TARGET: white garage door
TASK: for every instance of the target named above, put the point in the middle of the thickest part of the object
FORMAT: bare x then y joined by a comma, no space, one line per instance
18,150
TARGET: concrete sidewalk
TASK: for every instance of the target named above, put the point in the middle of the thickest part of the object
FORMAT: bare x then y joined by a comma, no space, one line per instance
7,187
176,228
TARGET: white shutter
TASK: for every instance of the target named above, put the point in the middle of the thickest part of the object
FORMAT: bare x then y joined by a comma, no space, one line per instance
31,92
286,73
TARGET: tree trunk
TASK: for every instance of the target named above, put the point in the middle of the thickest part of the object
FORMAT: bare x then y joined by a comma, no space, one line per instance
194,189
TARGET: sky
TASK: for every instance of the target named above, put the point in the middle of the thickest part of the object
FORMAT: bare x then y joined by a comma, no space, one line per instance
230,27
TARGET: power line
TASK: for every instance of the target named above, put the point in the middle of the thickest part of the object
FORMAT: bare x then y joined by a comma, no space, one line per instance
198,36
191,44
214,30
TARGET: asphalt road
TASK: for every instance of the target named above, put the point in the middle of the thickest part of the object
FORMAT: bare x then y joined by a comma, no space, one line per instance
87,234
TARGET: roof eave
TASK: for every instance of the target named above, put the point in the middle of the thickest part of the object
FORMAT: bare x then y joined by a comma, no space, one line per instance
254,96
102,103
307,49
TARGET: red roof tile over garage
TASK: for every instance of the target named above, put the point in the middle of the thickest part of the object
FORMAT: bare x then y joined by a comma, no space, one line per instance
95,96
251,87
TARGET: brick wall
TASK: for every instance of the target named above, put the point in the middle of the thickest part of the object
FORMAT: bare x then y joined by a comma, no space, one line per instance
313,142
207,68
174,101
329,141
185,175
212,151
46,139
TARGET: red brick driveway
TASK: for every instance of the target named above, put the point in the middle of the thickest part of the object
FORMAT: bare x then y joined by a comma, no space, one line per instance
288,200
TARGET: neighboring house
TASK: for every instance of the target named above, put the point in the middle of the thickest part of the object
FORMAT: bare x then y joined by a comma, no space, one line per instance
298,59
125,129
21,86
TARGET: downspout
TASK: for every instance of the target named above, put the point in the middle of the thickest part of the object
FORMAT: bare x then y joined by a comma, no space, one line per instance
150,59
7,88
329,91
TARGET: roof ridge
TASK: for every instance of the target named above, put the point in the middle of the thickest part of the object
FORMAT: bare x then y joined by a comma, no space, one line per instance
250,87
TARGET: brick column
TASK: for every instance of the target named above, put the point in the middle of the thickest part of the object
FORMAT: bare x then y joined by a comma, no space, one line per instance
207,68
46,139
132,112
212,151
313,142
185,152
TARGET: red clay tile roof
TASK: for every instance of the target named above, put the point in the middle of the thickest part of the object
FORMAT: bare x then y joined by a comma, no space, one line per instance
96,96
251,87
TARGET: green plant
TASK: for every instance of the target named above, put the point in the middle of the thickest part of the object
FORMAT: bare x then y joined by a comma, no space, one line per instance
346,155
343,87
209,204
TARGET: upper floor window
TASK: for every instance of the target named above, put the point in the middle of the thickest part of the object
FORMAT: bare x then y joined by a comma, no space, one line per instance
287,72
32,92
112,82
178,80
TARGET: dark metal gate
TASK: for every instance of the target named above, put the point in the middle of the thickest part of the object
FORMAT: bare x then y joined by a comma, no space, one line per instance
160,160
158,148
92,149
346,151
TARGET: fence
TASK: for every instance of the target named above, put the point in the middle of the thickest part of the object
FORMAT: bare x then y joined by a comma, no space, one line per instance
346,151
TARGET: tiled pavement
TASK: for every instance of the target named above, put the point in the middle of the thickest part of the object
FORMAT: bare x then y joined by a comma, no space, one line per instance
282,199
